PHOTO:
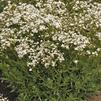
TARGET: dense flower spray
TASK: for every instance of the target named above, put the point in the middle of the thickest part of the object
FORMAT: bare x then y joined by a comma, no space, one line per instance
39,31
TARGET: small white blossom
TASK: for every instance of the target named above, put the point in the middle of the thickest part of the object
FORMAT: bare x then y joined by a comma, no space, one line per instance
76,61
95,53
98,49
88,52
30,69
98,34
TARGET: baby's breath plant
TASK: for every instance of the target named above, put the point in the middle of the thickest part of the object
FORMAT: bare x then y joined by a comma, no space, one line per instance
50,50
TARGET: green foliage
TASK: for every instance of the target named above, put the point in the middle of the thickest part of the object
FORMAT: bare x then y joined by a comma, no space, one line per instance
2,5
65,82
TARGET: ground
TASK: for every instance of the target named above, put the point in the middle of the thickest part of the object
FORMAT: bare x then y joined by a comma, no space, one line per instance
96,97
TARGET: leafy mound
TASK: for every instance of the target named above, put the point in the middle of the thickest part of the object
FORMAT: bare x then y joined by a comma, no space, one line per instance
51,50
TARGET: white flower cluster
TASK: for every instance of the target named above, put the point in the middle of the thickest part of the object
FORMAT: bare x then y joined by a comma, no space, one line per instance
71,38
3,98
89,16
27,27
38,31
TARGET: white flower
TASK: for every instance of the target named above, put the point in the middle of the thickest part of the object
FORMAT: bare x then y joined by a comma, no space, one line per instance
98,34
30,69
76,61
95,53
88,52
98,49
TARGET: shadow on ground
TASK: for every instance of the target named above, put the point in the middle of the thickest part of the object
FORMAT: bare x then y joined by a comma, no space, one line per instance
5,90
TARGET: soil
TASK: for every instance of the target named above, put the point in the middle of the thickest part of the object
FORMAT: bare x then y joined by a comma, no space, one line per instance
96,97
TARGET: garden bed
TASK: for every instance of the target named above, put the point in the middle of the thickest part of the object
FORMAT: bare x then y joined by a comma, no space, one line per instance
50,50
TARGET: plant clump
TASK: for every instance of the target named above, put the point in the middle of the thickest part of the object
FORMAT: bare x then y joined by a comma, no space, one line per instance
51,46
